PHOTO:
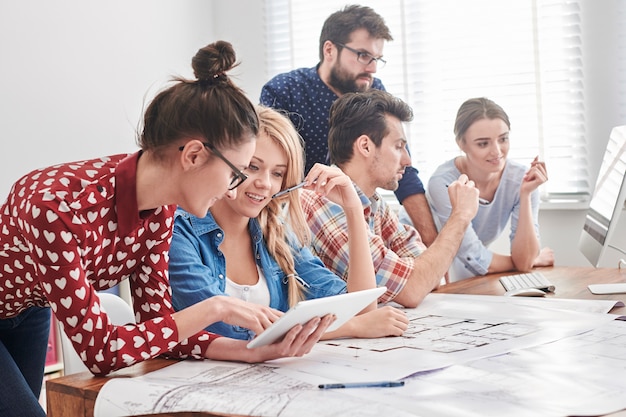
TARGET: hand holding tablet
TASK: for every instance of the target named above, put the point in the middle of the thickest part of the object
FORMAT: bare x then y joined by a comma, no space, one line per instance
343,306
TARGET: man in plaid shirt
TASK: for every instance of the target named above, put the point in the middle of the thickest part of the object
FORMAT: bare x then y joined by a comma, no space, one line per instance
366,140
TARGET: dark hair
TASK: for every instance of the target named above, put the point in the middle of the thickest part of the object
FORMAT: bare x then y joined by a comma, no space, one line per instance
339,26
356,114
476,109
211,107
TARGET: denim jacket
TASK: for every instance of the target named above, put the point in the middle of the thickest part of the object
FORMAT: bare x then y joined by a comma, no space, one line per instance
197,269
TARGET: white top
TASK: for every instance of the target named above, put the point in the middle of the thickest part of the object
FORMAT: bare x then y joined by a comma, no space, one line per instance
257,293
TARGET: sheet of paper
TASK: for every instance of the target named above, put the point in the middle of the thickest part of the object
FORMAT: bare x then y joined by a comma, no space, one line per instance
467,356
473,326
229,388
580,375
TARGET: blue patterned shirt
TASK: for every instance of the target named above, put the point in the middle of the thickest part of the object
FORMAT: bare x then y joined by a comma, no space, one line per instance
307,100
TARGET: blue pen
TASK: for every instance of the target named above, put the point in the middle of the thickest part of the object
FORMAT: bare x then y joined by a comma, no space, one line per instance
378,384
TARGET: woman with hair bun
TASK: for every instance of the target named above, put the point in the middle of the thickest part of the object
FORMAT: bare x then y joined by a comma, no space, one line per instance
254,246
69,230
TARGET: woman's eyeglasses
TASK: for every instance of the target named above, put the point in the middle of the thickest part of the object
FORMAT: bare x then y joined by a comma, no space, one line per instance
238,176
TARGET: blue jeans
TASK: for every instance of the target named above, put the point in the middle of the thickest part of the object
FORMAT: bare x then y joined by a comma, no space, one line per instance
23,347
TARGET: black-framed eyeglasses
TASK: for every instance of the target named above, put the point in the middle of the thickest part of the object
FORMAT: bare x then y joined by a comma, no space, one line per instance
364,58
238,176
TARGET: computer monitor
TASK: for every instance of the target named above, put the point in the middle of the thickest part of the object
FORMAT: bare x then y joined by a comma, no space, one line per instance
607,201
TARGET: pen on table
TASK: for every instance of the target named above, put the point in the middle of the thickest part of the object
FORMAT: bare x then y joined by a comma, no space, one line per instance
379,384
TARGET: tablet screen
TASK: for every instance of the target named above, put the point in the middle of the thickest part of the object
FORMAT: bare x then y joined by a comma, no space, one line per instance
344,306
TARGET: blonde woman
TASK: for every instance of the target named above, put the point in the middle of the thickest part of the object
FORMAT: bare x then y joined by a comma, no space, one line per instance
245,249
72,229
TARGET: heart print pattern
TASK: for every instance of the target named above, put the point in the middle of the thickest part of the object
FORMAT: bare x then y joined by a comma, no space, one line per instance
72,229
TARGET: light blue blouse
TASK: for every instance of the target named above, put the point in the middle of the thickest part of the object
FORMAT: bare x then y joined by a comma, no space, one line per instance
474,257
197,269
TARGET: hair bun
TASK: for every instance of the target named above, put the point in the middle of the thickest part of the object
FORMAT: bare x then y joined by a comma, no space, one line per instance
213,61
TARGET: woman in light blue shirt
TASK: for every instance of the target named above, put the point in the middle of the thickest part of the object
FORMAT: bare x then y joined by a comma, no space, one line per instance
244,248
508,191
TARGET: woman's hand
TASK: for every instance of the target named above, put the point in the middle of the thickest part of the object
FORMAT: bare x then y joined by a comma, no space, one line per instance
244,314
545,258
332,183
297,342
534,177
380,322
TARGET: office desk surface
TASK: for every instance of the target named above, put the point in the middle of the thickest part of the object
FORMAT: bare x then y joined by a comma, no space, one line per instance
570,282
75,395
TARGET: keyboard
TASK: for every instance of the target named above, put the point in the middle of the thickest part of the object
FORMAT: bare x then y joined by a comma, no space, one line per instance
527,280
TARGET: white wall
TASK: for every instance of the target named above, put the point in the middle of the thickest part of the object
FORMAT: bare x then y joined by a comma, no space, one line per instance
241,23
75,76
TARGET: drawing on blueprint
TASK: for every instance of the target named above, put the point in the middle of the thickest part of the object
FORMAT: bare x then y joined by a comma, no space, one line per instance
442,334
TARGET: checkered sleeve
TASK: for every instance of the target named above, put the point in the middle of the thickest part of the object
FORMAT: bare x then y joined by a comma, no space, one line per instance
329,232
393,264
400,245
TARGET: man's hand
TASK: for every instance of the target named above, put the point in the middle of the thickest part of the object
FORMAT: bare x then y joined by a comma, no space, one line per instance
463,197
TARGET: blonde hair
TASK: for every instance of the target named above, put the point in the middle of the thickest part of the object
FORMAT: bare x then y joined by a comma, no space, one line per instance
285,210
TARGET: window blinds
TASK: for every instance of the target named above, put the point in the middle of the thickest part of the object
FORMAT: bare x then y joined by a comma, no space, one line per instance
525,55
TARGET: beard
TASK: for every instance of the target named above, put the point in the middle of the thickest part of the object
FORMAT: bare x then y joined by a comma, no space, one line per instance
343,83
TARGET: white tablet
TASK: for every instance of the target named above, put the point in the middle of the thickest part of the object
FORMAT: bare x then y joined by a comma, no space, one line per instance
344,306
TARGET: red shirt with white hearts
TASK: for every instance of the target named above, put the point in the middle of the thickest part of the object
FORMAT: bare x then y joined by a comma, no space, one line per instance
71,229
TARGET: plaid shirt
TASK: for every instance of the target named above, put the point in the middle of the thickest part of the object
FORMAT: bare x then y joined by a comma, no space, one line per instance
394,246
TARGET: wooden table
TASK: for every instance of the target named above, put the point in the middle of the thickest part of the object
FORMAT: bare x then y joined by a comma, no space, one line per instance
570,282
75,395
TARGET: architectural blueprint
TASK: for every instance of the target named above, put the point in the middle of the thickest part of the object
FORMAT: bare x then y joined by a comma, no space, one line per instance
467,327
230,388
458,355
